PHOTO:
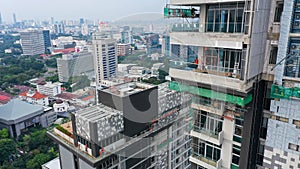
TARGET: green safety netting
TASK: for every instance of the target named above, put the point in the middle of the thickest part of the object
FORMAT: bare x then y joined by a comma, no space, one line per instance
211,94
280,92
168,12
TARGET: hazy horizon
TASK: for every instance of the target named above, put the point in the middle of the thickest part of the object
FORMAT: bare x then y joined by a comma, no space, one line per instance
73,10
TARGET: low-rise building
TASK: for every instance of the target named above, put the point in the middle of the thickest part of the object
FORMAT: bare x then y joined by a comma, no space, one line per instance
18,115
60,106
123,49
49,88
34,97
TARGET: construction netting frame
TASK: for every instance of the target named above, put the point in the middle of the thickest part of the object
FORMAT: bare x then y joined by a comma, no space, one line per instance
280,92
211,94
176,12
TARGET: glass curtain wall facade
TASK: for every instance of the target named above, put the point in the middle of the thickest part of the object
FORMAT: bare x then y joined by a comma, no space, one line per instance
227,18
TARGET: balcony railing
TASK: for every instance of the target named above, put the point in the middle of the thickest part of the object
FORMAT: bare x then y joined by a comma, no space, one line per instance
211,162
210,104
210,133
185,27
208,69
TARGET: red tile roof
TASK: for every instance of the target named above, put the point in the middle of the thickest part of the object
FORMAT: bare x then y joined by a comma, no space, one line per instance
23,94
87,98
67,96
36,95
5,94
4,99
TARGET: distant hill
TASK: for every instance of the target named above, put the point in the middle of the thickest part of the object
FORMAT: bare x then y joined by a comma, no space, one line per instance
141,18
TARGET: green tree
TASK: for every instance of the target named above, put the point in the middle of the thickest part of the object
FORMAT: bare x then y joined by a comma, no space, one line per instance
37,161
4,133
53,78
51,63
7,148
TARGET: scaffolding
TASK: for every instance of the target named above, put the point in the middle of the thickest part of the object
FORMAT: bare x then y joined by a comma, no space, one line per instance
180,13
211,94
280,92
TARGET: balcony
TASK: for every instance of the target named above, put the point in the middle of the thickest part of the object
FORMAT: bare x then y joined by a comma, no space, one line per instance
185,27
210,39
205,162
198,2
212,137
210,77
207,105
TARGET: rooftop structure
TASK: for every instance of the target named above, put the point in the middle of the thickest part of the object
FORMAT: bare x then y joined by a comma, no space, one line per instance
114,132
34,97
128,88
17,115
53,164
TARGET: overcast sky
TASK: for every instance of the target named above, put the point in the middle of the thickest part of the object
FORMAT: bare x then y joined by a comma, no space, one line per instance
75,9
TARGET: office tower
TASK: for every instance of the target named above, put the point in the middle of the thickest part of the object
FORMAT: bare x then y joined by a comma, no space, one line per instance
166,46
32,42
282,143
135,125
14,18
84,29
81,21
59,28
225,79
71,65
105,56
126,37
52,20
0,18
152,43
123,49
47,39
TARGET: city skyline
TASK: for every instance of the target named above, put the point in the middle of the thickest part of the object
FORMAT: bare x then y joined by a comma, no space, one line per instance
60,10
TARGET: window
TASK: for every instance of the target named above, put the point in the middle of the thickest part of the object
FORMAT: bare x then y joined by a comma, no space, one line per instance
223,60
278,11
273,55
297,123
294,147
279,118
206,122
206,149
226,18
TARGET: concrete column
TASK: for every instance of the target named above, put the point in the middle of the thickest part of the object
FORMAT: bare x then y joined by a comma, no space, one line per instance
226,151
202,18
200,57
